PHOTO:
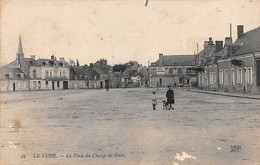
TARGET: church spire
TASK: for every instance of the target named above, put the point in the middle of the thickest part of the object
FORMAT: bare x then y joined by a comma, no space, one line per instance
20,47
19,54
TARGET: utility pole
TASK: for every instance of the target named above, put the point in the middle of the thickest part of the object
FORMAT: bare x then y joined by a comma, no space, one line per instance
197,48
230,32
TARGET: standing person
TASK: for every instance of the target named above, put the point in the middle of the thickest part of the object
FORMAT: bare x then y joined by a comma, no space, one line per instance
170,97
107,85
154,100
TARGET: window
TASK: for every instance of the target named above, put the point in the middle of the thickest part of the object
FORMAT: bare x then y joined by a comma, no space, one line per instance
34,73
63,73
249,75
211,78
233,76
215,77
58,84
11,75
184,70
166,71
179,71
60,73
50,73
221,77
34,84
55,73
239,76
170,71
203,78
46,74
153,71
226,77
46,84
21,85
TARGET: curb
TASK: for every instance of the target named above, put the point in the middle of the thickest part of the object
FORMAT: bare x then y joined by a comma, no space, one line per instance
222,94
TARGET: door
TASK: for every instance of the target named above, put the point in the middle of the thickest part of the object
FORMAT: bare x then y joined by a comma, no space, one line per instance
65,85
13,86
101,84
244,80
160,81
39,85
52,85
257,73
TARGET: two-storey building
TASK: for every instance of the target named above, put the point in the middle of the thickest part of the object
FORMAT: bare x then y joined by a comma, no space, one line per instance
42,74
177,70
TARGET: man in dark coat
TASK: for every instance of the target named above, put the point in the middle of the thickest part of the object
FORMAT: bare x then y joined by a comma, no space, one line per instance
170,97
107,84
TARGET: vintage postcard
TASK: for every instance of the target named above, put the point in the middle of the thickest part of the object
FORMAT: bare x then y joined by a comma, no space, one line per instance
149,82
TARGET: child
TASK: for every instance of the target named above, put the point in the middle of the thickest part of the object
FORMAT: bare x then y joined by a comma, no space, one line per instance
154,100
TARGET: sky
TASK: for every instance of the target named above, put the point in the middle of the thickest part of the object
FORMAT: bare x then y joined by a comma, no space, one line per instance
119,30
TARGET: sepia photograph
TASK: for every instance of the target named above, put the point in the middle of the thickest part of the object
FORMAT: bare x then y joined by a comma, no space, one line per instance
130,82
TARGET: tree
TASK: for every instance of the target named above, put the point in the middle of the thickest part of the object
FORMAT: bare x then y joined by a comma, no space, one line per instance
119,67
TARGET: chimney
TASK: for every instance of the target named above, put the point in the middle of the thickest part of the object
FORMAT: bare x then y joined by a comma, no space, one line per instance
210,41
91,65
226,51
32,57
62,59
240,31
52,57
205,44
219,45
228,41
160,59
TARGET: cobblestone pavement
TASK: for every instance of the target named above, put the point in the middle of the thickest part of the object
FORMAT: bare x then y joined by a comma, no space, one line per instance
120,127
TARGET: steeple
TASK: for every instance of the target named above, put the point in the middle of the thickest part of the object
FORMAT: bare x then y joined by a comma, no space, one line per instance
19,54
20,47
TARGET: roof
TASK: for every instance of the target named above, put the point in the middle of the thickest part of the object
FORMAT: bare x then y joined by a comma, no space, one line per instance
99,70
83,72
177,60
220,53
125,73
24,61
250,42
16,72
42,62
144,72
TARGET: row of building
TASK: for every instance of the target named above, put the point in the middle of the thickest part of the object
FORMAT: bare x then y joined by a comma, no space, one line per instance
52,74
231,66
221,66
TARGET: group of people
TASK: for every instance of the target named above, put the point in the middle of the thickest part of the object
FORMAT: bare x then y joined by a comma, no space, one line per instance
169,97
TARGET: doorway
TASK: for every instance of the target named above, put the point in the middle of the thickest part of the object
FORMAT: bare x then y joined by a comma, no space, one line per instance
101,84
160,81
52,85
65,85
13,86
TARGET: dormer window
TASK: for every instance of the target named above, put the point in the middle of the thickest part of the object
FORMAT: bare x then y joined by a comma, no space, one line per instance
22,76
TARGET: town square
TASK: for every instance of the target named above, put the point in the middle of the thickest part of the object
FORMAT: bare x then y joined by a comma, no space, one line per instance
122,121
